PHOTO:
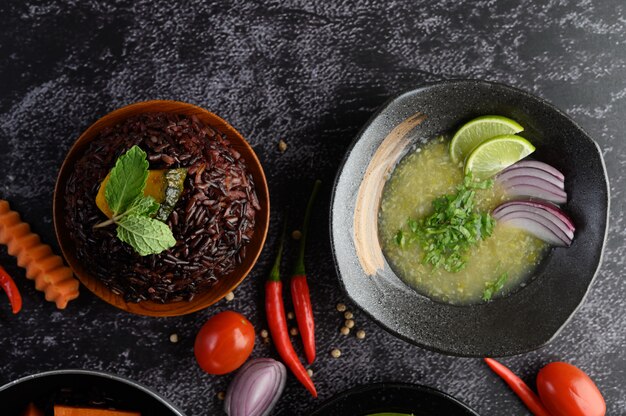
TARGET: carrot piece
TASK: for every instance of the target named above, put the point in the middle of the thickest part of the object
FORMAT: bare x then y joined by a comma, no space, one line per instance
32,410
36,253
50,274
9,219
60,410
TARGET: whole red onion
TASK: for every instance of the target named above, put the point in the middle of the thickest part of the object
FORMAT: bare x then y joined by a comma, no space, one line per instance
256,388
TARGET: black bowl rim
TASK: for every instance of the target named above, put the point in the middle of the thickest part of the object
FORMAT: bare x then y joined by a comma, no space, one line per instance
102,374
393,385
452,82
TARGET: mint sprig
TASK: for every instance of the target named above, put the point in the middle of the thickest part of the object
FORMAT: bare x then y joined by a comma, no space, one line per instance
132,210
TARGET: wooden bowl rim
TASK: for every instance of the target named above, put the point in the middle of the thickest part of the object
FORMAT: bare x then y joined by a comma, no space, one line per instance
150,308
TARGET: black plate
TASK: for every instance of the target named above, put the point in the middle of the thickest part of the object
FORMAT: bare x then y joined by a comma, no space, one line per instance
42,388
393,397
533,315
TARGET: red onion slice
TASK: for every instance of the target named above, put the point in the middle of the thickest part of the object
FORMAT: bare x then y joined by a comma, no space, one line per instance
557,232
539,165
539,230
543,220
534,191
546,207
517,171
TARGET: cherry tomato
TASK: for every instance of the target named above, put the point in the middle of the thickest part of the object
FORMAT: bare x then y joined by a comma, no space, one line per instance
224,343
566,391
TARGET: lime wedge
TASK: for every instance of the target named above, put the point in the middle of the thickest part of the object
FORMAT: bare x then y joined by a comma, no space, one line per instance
474,132
496,154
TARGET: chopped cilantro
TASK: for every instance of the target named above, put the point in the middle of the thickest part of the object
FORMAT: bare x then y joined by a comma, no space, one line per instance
400,239
453,227
494,287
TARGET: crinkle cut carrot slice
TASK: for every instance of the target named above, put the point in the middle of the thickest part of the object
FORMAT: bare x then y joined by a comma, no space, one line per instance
48,270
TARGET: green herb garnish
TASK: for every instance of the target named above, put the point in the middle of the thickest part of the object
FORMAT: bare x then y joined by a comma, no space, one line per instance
400,239
132,210
453,227
494,287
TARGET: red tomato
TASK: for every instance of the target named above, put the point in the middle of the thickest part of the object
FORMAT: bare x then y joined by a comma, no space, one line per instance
224,343
566,391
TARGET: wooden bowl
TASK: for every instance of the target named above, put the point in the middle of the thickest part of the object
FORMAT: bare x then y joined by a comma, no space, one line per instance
226,283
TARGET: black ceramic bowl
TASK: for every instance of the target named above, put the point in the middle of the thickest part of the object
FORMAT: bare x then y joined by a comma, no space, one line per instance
51,387
393,397
520,322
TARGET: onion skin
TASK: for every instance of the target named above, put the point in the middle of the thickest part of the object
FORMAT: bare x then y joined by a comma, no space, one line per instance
256,388
565,390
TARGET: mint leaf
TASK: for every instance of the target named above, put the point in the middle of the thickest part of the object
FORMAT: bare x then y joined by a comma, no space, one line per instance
132,210
146,206
127,181
144,234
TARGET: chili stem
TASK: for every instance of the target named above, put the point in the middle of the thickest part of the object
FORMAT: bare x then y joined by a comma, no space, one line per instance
305,229
275,272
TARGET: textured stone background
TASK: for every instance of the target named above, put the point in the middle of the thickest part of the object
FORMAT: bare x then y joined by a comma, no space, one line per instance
311,74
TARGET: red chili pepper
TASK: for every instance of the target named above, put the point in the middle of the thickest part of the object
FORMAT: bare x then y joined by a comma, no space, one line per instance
8,285
530,399
300,288
277,322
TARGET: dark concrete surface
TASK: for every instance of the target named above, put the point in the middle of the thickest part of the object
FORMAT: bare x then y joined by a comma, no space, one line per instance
310,73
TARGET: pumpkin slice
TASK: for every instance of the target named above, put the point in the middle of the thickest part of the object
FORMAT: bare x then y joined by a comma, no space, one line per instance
164,185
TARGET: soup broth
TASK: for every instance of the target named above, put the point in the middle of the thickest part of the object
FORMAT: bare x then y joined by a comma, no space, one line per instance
422,176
